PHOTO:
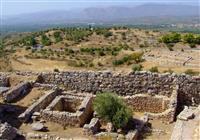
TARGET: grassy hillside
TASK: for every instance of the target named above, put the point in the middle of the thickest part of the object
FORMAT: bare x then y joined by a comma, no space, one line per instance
117,49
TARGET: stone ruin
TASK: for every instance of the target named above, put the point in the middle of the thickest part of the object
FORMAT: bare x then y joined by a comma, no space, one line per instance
69,111
68,100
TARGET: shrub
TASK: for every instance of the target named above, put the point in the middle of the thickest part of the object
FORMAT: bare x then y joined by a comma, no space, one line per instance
171,38
111,108
107,34
189,38
192,45
170,46
28,48
137,67
191,72
45,40
56,70
29,41
169,71
57,36
153,69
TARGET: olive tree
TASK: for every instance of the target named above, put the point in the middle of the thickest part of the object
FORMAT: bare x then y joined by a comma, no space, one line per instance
111,108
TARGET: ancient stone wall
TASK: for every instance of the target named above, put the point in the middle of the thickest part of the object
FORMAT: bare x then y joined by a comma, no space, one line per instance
42,103
169,114
133,83
17,91
65,118
147,103
128,84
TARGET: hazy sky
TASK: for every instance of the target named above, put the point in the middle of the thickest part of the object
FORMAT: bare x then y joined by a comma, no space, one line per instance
16,7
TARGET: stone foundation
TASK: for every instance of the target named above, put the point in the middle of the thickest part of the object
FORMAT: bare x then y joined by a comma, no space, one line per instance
67,111
42,103
169,114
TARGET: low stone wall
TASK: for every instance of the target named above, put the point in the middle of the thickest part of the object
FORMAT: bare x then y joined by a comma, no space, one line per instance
168,115
17,91
65,118
147,103
42,103
130,84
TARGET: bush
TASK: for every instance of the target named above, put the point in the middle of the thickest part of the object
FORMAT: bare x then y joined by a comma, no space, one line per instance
189,38
28,48
29,41
192,45
56,70
137,67
153,69
45,40
111,108
169,71
57,36
171,38
191,72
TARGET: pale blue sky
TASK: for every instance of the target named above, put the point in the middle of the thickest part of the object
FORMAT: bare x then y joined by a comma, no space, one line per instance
16,7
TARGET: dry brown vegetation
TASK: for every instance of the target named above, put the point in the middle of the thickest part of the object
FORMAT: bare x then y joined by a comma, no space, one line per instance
99,49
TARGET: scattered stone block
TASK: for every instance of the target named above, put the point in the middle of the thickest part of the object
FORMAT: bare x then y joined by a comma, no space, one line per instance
37,126
93,127
132,135
109,127
186,114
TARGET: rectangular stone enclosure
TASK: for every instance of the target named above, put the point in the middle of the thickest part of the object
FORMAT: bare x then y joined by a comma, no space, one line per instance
69,110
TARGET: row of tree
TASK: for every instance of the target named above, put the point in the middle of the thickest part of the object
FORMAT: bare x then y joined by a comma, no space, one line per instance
174,37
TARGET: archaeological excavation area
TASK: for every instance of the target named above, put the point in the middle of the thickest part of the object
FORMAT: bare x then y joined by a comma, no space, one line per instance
59,105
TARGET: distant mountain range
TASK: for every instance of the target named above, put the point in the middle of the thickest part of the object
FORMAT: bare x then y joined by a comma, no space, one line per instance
144,13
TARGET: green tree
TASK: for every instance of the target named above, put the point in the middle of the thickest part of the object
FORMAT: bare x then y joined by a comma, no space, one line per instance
171,38
112,108
29,41
45,40
189,38
57,36
197,39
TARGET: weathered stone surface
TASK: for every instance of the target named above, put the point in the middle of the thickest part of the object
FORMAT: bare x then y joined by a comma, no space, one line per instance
37,126
185,129
7,132
76,118
17,91
3,90
93,127
186,114
132,135
109,127
42,103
